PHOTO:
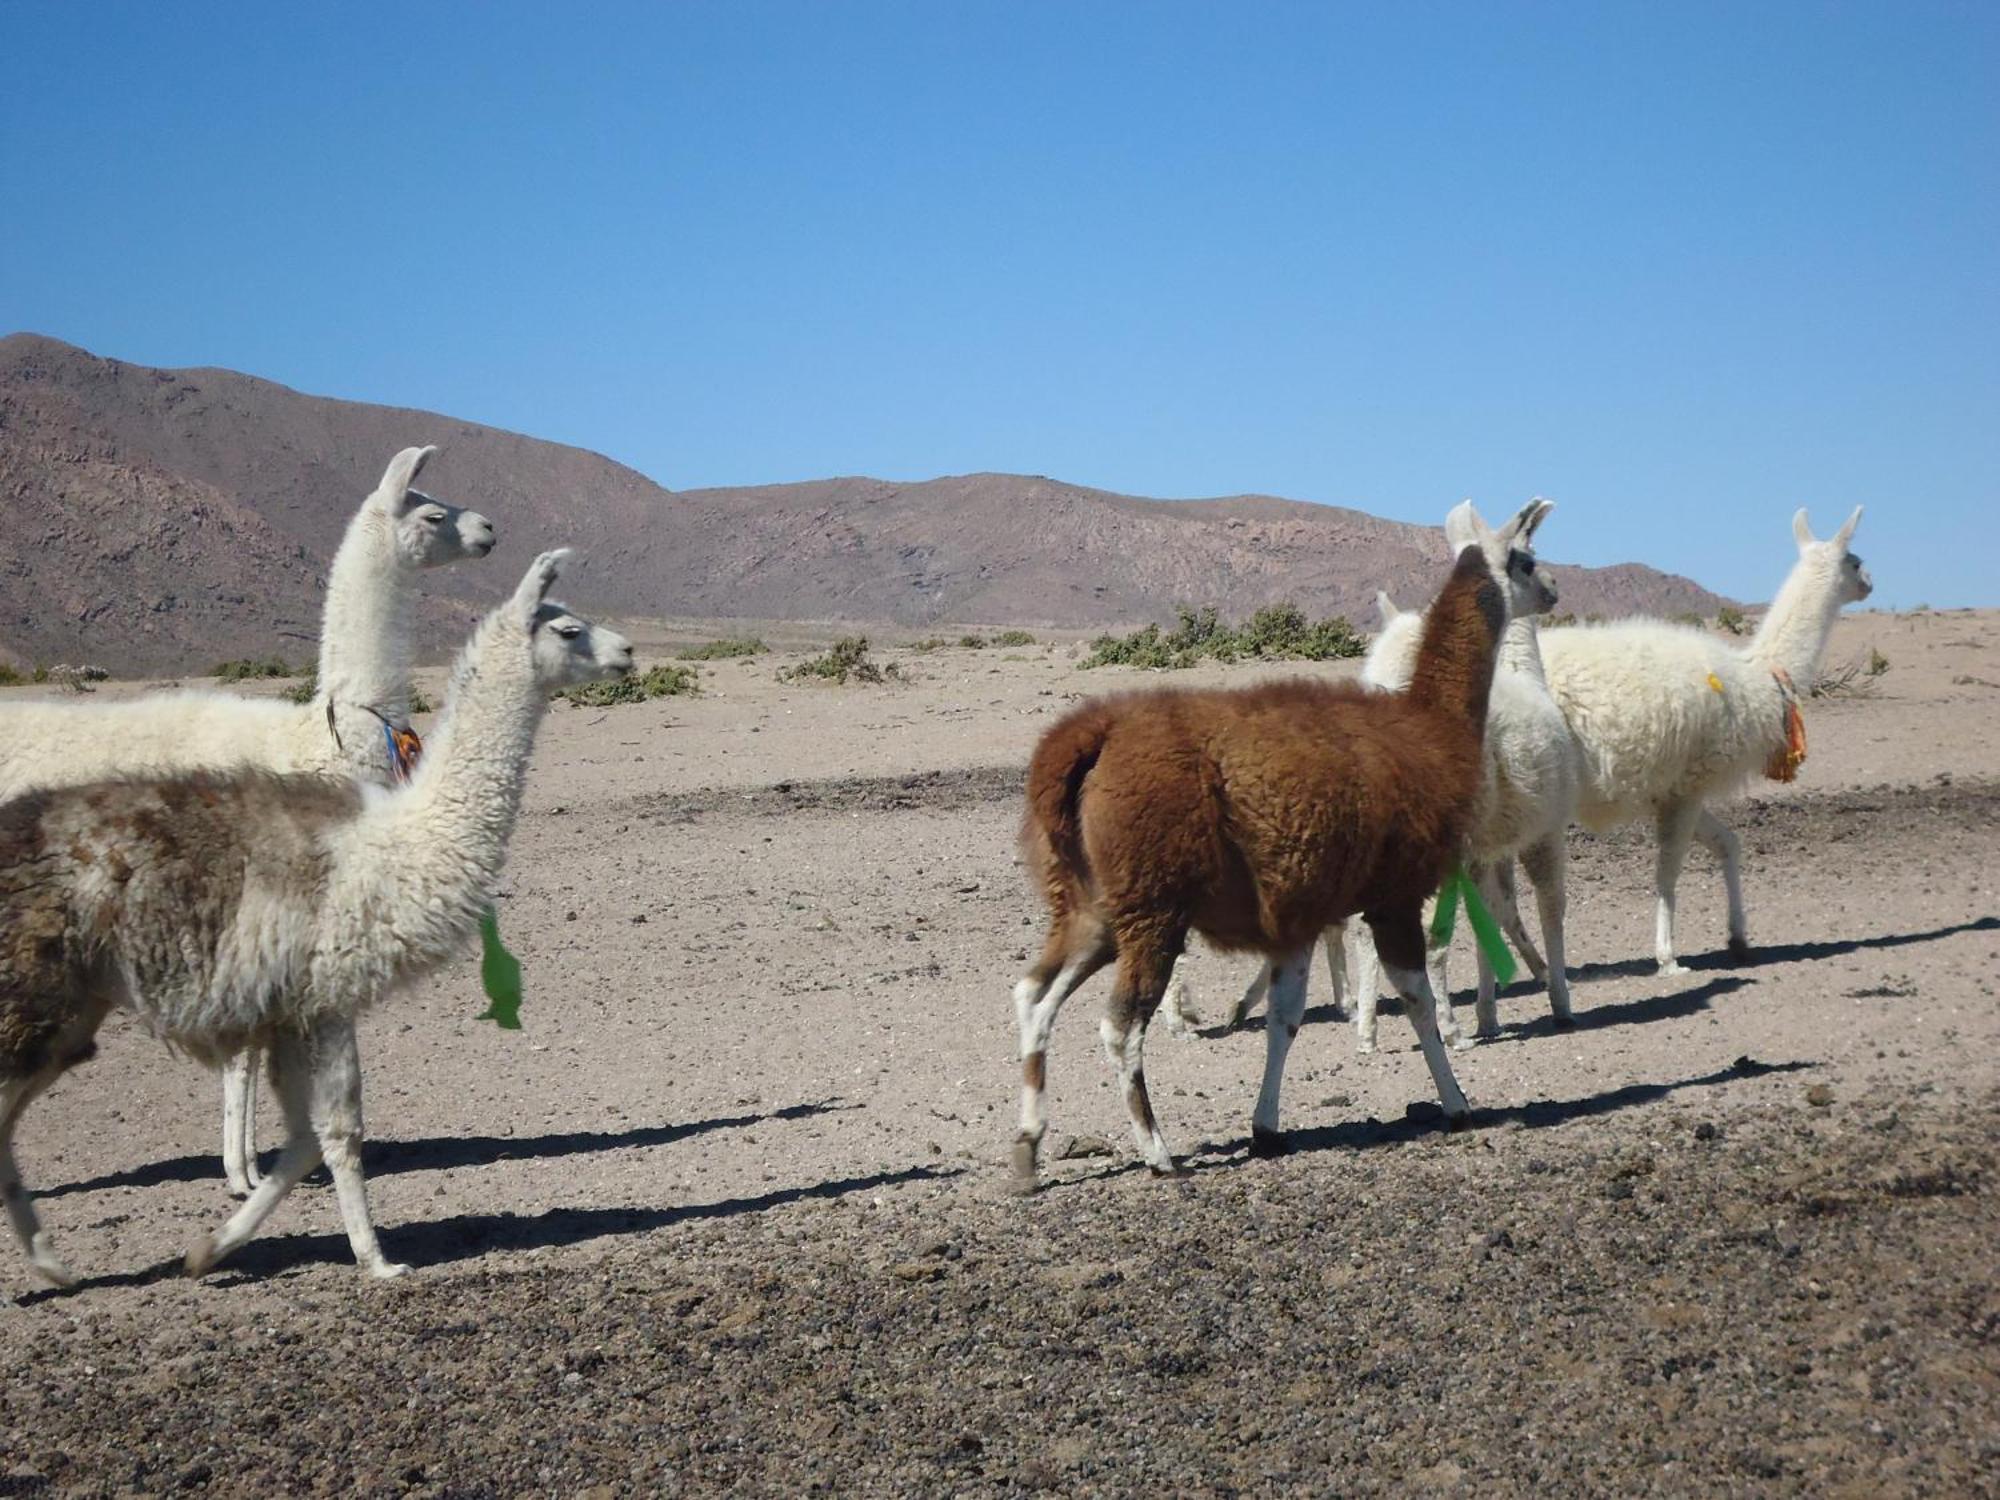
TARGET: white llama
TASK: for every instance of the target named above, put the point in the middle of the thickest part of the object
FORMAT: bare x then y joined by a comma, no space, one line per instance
1517,777
1527,801
364,687
229,910
1669,718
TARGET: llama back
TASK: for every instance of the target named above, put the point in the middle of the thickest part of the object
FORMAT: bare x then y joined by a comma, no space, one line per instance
1660,712
46,744
189,891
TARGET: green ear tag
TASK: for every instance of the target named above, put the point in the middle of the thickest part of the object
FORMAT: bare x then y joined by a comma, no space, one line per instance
1485,930
1446,918
500,973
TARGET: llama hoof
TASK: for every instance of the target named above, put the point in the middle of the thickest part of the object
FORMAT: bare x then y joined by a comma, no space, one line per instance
1363,1047
50,1268
1171,1169
200,1259
1563,1022
1460,1121
1265,1144
1022,1181
1460,1042
1739,949
388,1270
1671,966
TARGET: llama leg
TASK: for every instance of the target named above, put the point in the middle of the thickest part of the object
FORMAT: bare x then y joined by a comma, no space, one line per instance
1367,988
239,1121
1675,827
1548,867
1717,838
291,1076
1437,960
1038,996
1486,1008
16,1094
1288,1008
1252,996
1124,1032
1178,1004
1508,910
1506,904
336,1119
1400,940
1334,941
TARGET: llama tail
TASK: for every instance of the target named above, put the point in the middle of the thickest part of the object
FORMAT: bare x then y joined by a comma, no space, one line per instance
1462,631
1051,831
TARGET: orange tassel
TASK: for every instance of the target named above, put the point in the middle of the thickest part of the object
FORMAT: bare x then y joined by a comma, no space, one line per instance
1784,764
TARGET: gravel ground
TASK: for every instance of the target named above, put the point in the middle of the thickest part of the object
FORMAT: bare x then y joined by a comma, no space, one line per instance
730,1216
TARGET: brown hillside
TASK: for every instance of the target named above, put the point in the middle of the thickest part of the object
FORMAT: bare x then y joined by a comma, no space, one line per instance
159,520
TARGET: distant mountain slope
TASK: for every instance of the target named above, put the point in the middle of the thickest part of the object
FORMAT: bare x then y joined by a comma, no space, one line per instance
164,519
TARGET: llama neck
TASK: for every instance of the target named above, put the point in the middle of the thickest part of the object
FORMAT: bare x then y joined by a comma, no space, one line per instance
1794,629
445,836
364,638
1521,648
1462,630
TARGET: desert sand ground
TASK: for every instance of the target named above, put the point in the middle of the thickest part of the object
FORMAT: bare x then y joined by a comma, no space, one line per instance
730,1214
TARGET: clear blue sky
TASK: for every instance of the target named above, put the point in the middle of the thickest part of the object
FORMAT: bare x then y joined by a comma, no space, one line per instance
1681,267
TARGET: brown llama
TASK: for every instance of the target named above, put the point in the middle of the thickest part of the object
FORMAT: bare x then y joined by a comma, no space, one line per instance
1257,817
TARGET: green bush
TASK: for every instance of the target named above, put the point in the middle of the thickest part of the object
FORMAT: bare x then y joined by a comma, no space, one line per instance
1013,638
656,682
1277,632
302,691
847,659
717,650
249,669
1730,618
10,677
928,643
973,642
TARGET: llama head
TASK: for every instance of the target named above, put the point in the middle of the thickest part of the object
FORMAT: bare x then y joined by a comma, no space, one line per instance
427,533
1509,553
1392,655
566,648
1851,581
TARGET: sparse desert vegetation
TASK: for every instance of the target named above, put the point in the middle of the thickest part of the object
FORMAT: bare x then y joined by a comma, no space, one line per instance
1276,632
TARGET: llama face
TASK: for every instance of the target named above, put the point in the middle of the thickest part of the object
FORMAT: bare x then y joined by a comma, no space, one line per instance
1509,554
1852,583
569,649
430,533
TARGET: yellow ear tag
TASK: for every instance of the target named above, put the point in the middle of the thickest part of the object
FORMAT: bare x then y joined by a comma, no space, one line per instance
1715,682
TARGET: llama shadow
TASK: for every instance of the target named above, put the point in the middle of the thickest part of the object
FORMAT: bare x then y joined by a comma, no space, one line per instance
439,1153
1426,1119
1779,953
441,1242
1672,1007
1631,1012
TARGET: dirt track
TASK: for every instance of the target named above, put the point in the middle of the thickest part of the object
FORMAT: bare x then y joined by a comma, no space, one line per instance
729,1215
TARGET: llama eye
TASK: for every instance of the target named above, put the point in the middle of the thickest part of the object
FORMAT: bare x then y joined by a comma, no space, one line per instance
434,518
569,632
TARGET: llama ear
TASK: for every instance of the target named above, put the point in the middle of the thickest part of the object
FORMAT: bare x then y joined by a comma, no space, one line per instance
400,475
1463,528
1846,532
1537,511
1386,606
1801,532
539,579
1522,526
